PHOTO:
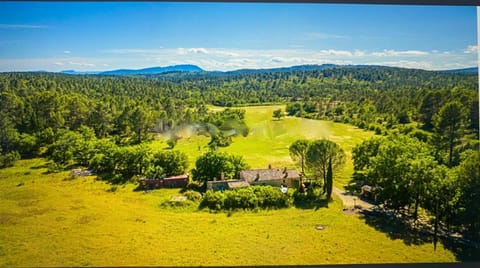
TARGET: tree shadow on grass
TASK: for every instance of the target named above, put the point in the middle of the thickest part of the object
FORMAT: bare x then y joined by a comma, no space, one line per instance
310,204
395,228
462,251
398,228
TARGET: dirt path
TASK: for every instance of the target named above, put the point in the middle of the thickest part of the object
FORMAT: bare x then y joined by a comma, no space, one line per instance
349,200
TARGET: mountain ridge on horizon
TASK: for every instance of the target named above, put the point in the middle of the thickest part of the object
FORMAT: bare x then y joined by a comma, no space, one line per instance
196,69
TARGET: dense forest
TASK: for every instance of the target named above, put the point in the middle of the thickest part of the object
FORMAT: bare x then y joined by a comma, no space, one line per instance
427,122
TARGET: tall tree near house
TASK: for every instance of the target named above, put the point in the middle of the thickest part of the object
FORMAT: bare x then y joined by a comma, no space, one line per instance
449,126
298,152
212,164
329,182
318,155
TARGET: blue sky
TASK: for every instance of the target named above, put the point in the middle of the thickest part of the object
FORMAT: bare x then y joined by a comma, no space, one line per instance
226,36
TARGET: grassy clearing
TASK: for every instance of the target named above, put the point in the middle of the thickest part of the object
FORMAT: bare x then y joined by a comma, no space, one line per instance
51,221
269,139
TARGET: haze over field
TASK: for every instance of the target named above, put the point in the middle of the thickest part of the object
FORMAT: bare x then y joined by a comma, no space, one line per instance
227,36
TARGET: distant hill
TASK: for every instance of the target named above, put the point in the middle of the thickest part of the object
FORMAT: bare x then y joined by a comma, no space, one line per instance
471,70
155,70
286,69
186,69
75,72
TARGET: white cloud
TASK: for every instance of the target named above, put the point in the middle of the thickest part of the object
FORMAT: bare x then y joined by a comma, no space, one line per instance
472,49
396,53
333,52
225,59
83,64
359,53
67,52
406,64
22,26
184,51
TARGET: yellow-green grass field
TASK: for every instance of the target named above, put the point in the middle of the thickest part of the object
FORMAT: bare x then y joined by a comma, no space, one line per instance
52,220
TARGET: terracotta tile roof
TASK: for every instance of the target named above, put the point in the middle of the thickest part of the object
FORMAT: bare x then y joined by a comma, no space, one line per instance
268,174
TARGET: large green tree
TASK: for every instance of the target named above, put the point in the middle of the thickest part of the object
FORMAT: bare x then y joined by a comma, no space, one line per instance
400,170
212,164
449,125
468,173
319,154
298,152
9,135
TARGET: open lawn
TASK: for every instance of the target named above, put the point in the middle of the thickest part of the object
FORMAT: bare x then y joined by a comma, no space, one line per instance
269,139
51,220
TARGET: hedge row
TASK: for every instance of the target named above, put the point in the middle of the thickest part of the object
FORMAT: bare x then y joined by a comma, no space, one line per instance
246,198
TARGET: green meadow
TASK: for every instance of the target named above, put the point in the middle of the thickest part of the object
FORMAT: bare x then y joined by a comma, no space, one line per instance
268,140
49,219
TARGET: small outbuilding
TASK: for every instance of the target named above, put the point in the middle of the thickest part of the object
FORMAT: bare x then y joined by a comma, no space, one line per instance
179,181
368,192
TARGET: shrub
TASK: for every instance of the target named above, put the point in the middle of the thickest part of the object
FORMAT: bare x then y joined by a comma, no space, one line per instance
271,197
213,200
362,125
193,196
112,189
8,159
243,198
421,135
172,142
177,204
193,186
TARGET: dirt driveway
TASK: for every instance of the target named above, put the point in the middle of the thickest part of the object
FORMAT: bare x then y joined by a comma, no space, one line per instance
349,200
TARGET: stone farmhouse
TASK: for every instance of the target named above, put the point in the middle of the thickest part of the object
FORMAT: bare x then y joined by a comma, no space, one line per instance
270,176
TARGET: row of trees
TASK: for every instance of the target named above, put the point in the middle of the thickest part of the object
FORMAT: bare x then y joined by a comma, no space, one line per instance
112,162
406,176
